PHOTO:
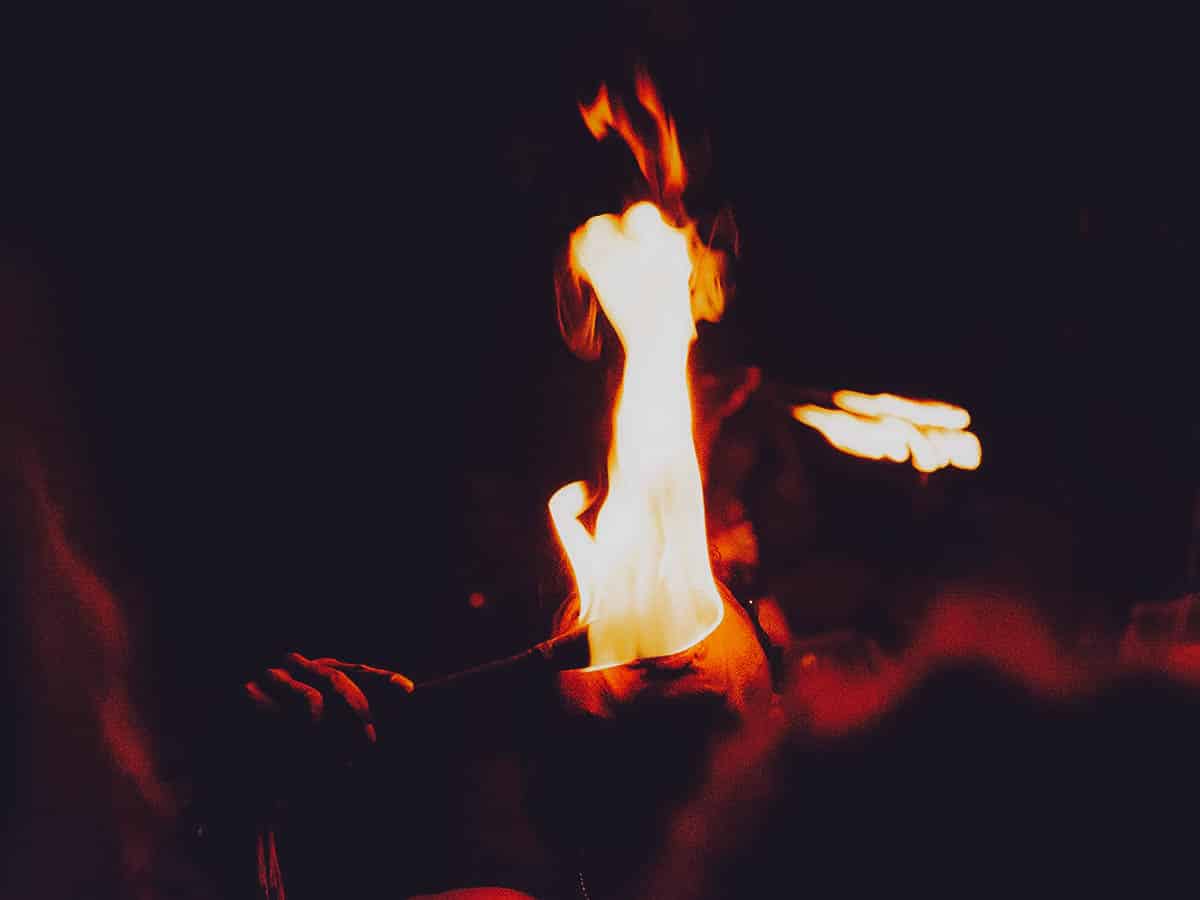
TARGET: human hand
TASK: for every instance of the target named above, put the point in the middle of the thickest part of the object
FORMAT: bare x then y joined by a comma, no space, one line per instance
318,710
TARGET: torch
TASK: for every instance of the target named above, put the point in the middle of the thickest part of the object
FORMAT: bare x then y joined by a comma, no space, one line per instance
565,651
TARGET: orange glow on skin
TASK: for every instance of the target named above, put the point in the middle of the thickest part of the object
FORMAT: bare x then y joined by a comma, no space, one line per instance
884,426
932,413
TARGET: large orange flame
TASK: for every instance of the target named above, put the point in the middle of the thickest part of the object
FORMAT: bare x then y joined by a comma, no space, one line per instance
883,426
643,573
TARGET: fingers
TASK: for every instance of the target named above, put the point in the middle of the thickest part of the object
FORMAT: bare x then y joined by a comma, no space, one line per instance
289,692
260,698
337,683
325,688
394,678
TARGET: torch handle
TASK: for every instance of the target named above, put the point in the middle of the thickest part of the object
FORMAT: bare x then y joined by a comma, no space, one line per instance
567,651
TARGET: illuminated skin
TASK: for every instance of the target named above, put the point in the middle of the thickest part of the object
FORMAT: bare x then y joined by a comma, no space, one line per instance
329,697
653,756
729,664
321,693
930,433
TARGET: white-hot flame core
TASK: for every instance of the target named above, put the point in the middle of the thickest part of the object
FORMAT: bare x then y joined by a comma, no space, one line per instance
644,577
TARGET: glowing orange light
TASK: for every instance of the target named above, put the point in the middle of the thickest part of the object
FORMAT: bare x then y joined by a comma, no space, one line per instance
663,169
643,574
919,412
930,433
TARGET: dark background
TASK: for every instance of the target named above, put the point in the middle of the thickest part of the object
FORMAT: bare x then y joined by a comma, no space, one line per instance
289,282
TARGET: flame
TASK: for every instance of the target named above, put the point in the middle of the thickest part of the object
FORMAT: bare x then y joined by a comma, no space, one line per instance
664,170
884,426
643,574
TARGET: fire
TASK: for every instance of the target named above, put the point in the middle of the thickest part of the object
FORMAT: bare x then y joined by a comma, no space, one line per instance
664,170
643,574
883,426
